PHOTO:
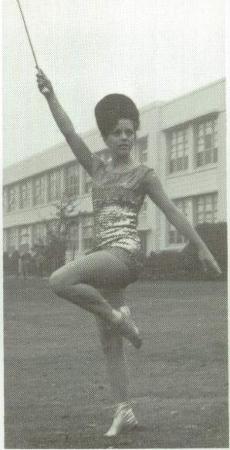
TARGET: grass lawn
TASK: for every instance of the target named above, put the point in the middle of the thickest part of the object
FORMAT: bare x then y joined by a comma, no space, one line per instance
56,393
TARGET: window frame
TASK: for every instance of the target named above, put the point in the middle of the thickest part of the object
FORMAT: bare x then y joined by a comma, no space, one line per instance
213,211
42,236
72,189
184,159
142,148
11,188
57,173
25,203
42,190
201,157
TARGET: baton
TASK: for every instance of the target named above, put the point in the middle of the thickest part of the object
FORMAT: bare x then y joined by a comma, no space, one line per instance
44,90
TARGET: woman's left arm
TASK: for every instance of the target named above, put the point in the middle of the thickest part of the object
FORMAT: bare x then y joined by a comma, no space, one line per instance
154,189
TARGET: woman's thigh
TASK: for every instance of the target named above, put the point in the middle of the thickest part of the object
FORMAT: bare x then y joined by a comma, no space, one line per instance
100,269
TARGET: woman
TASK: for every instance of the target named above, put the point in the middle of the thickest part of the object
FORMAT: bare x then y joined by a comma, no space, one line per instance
96,281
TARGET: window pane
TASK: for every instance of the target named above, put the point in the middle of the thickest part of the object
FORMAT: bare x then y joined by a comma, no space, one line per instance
24,237
11,199
208,157
178,150
87,182
142,148
25,194
39,233
72,180
54,185
206,142
39,186
206,208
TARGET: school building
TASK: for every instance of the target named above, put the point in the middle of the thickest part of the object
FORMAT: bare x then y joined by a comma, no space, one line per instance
183,139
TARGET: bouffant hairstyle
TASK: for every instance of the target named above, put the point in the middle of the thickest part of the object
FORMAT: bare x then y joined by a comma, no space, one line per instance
112,108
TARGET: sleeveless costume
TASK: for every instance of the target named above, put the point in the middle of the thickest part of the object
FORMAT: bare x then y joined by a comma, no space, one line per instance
117,199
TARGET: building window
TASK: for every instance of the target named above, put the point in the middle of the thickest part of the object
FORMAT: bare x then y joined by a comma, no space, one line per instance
24,238
39,188
54,185
72,181
25,194
178,148
12,204
206,208
142,149
87,182
39,233
206,142
174,236
87,232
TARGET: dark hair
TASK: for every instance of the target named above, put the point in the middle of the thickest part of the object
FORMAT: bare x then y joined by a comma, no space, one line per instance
113,107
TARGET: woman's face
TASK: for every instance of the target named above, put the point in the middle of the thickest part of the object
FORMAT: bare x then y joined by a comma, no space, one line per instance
122,138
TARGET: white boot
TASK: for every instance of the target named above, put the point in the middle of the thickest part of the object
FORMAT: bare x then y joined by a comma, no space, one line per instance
123,420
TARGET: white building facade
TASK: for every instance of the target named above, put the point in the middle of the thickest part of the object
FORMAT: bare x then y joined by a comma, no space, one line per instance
184,140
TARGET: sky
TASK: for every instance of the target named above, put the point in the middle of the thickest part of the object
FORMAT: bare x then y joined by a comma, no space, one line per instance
151,50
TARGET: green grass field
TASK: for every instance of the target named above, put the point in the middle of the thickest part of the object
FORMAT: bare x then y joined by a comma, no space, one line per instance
56,393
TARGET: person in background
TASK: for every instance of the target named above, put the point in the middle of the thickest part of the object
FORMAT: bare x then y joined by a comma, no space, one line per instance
15,262
26,260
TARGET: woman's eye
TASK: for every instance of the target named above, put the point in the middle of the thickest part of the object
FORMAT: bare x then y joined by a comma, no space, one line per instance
118,132
129,132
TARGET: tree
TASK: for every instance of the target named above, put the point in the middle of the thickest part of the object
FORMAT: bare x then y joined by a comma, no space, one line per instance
57,236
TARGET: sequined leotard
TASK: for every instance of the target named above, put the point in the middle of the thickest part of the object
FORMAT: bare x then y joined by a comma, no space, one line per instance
117,199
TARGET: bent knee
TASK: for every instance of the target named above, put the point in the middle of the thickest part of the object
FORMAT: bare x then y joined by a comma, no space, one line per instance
56,283
61,283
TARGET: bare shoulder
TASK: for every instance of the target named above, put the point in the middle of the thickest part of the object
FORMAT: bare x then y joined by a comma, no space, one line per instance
149,175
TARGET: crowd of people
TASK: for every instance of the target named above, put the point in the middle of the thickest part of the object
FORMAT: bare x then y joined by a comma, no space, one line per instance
39,261
23,264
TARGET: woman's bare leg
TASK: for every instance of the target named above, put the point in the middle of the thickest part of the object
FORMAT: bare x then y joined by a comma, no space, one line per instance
79,281
112,345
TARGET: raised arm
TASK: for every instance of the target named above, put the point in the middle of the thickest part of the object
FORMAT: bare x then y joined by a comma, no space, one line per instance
77,145
154,189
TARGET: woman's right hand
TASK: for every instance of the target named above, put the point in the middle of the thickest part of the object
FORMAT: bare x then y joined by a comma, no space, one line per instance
44,84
